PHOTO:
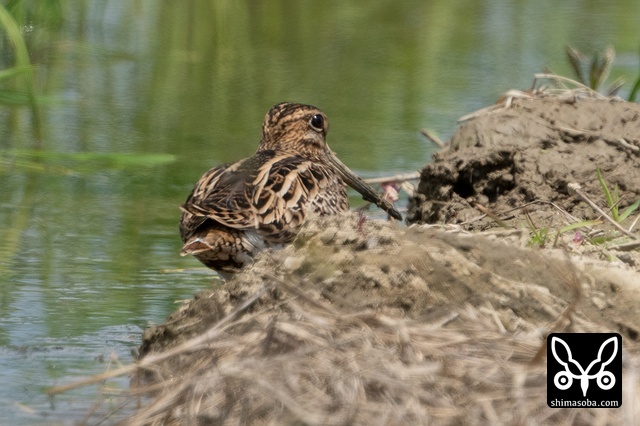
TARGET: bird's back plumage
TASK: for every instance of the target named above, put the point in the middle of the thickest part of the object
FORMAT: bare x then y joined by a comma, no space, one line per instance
238,209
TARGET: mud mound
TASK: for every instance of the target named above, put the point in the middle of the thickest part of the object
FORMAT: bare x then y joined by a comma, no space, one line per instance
523,158
363,322
366,322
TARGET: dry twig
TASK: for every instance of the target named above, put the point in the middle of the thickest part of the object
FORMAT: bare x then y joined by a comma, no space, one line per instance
576,188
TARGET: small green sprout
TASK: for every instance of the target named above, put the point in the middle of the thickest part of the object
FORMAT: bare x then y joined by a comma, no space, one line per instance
613,200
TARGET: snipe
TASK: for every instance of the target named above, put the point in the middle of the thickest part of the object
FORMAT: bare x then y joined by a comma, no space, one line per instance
237,209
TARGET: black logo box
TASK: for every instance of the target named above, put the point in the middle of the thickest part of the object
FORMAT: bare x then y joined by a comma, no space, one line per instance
584,369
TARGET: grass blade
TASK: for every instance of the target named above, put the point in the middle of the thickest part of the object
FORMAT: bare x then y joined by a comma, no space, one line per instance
13,72
575,60
14,34
634,92
13,97
83,162
633,207
605,189
614,208
582,224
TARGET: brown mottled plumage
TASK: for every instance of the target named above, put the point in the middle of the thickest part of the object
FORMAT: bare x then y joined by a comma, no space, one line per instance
237,209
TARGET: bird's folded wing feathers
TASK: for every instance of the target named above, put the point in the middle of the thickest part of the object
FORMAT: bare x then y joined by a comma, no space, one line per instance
262,196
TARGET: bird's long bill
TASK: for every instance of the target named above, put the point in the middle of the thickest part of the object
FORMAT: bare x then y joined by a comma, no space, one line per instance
368,193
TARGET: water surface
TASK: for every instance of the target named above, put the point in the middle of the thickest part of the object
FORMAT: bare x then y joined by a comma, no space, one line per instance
139,98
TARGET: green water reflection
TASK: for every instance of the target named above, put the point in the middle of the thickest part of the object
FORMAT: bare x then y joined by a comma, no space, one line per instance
138,98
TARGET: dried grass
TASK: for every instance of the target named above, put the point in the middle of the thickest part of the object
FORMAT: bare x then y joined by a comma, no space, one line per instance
307,362
328,342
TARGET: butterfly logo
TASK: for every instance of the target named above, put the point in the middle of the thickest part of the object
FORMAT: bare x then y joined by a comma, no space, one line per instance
564,379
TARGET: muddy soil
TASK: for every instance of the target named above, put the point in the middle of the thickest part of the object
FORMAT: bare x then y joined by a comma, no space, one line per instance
454,280
519,164
424,273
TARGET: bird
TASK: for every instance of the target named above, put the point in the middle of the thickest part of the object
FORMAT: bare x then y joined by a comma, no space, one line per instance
238,209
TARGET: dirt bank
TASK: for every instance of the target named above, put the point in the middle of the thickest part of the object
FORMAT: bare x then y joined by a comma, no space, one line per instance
519,164
367,322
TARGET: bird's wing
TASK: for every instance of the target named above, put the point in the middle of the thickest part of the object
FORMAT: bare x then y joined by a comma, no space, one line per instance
217,196
267,192
281,193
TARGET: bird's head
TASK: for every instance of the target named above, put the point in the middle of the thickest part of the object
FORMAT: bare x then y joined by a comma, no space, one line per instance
297,128
301,130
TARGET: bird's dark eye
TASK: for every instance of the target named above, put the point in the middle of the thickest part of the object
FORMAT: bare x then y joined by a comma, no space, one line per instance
317,122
